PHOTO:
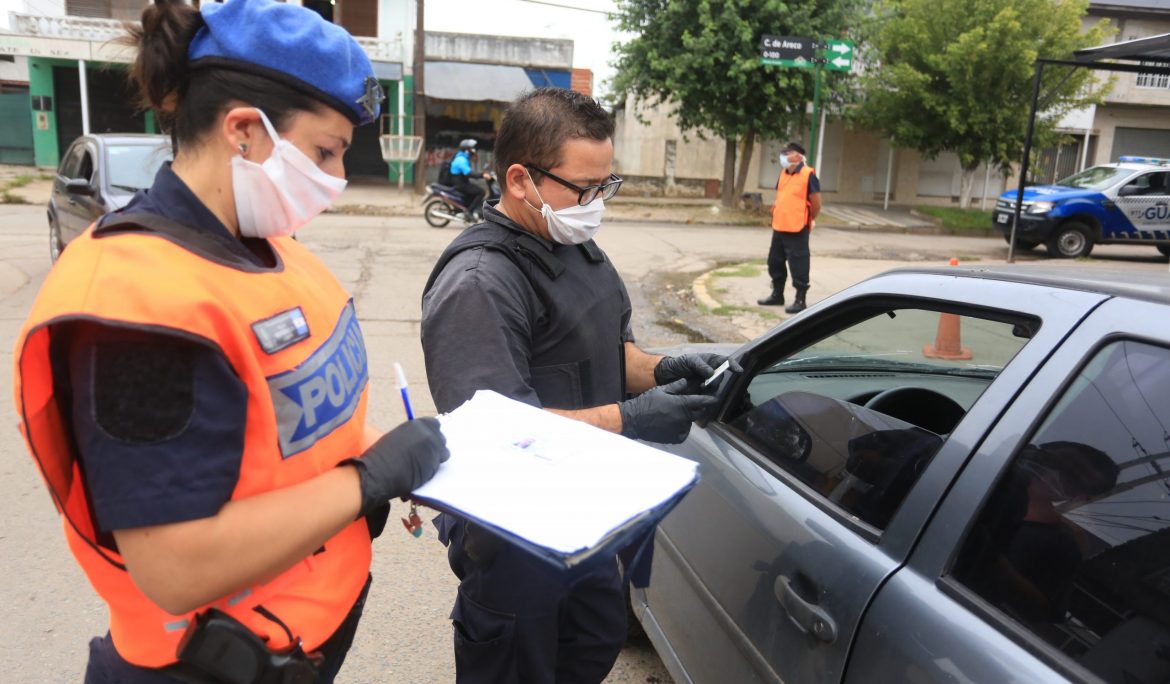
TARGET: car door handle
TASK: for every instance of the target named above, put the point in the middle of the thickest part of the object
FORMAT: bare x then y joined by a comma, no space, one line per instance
809,617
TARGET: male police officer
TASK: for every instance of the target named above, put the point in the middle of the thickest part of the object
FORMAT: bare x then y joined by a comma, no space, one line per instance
798,201
526,304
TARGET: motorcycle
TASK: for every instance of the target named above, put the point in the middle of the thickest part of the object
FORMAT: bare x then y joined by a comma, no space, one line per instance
444,204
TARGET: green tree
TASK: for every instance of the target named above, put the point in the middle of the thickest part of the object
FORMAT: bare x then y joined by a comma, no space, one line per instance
956,76
703,58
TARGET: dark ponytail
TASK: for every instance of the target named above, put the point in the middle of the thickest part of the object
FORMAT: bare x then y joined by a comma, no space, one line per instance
188,101
160,72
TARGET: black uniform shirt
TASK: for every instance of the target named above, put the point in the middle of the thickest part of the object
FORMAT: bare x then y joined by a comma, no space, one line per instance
486,323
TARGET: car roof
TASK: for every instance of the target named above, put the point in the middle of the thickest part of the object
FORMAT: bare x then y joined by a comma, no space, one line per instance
1144,285
130,138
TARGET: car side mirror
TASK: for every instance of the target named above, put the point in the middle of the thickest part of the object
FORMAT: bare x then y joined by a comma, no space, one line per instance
1128,191
79,186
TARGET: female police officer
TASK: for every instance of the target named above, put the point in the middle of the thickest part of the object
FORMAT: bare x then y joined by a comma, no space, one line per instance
192,381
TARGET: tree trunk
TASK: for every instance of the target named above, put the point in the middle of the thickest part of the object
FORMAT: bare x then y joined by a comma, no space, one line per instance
729,172
966,186
745,161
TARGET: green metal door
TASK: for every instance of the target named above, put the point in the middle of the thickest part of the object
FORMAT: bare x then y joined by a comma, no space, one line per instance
16,138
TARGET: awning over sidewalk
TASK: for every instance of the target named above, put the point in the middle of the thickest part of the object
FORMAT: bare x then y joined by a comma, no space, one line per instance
467,82
1154,48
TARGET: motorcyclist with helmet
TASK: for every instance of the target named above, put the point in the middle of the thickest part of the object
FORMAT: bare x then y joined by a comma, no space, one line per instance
461,169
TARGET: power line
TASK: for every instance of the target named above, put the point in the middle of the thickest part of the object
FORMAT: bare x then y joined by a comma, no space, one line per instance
570,7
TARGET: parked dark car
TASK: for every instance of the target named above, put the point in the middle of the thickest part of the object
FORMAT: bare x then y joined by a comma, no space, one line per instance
99,174
950,475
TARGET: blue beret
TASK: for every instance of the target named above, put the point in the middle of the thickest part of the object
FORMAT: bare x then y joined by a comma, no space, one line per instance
293,45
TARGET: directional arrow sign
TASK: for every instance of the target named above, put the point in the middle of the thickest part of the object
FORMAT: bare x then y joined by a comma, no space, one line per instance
839,55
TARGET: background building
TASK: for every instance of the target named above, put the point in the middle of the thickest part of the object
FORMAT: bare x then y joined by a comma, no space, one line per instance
1134,119
61,75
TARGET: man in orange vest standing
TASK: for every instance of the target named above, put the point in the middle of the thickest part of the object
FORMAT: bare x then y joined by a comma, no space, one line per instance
798,201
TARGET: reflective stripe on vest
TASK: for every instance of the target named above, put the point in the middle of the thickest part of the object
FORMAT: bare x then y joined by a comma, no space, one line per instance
291,335
790,213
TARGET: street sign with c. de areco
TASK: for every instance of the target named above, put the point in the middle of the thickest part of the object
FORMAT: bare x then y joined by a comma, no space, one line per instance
788,48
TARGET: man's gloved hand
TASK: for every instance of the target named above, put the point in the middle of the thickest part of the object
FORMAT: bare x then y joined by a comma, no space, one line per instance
693,367
664,414
400,461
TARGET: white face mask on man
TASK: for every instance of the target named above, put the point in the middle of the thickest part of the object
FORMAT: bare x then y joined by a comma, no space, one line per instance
277,197
573,225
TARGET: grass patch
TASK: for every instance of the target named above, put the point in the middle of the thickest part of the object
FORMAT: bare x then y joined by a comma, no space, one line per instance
9,197
749,270
733,309
959,219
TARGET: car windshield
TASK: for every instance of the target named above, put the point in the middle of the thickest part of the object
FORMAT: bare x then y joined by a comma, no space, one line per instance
132,167
1095,178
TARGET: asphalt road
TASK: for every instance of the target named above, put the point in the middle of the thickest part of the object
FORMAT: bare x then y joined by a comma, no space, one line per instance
405,635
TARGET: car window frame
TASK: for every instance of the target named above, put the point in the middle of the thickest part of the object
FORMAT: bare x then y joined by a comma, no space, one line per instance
95,159
852,314
1058,309
935,556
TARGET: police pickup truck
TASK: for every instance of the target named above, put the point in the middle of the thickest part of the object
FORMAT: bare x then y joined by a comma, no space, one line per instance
1115,203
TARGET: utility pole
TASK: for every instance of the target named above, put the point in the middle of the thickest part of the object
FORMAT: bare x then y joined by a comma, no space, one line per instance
420,98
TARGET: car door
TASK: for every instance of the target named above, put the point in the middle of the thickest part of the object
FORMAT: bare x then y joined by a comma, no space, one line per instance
63,205
1048,559
78,210
764,570
1145,202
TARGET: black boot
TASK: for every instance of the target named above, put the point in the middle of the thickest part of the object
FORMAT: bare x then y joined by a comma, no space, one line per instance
774,299
798,304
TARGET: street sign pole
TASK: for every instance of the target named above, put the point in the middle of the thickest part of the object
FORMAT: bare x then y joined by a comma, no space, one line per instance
816,113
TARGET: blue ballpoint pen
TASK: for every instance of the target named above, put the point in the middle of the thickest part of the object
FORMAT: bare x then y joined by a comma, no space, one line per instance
413,523
403,390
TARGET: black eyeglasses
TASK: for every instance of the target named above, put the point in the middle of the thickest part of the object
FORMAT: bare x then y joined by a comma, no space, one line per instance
585,195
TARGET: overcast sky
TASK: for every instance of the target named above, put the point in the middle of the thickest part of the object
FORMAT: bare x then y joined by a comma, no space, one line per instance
592,33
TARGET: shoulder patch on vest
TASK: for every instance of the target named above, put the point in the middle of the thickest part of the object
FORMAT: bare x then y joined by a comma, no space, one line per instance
322,393
282,330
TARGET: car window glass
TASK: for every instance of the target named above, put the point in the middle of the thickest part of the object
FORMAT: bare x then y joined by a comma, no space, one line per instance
71,162
1148,184
1095,178
85,167
133,167
1074,541
858,415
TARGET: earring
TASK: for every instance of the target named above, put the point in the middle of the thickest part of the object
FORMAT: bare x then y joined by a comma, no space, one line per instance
243,148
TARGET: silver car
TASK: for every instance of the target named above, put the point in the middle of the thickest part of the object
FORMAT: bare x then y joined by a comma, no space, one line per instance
951,475
99,174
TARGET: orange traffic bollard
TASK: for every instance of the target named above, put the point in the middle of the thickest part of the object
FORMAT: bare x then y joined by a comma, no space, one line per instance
947,343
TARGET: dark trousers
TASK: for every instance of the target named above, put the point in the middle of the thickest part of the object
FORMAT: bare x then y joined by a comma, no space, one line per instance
789,251
472,193
106,666
516,622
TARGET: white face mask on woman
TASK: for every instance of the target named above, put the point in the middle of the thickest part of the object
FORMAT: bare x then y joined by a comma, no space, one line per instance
573,225
277,197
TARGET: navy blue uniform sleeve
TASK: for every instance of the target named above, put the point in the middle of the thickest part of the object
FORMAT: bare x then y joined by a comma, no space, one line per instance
476,332
814,184
159,422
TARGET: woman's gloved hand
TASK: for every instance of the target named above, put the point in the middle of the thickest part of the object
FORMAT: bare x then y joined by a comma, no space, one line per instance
401,461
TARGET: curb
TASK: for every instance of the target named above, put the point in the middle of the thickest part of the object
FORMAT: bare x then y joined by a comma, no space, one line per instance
699,289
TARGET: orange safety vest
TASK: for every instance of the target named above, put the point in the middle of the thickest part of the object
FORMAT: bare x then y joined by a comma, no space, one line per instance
790,213
291,335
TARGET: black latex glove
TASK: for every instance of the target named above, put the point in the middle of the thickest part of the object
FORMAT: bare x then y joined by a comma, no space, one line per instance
693,367
401,461
664,414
